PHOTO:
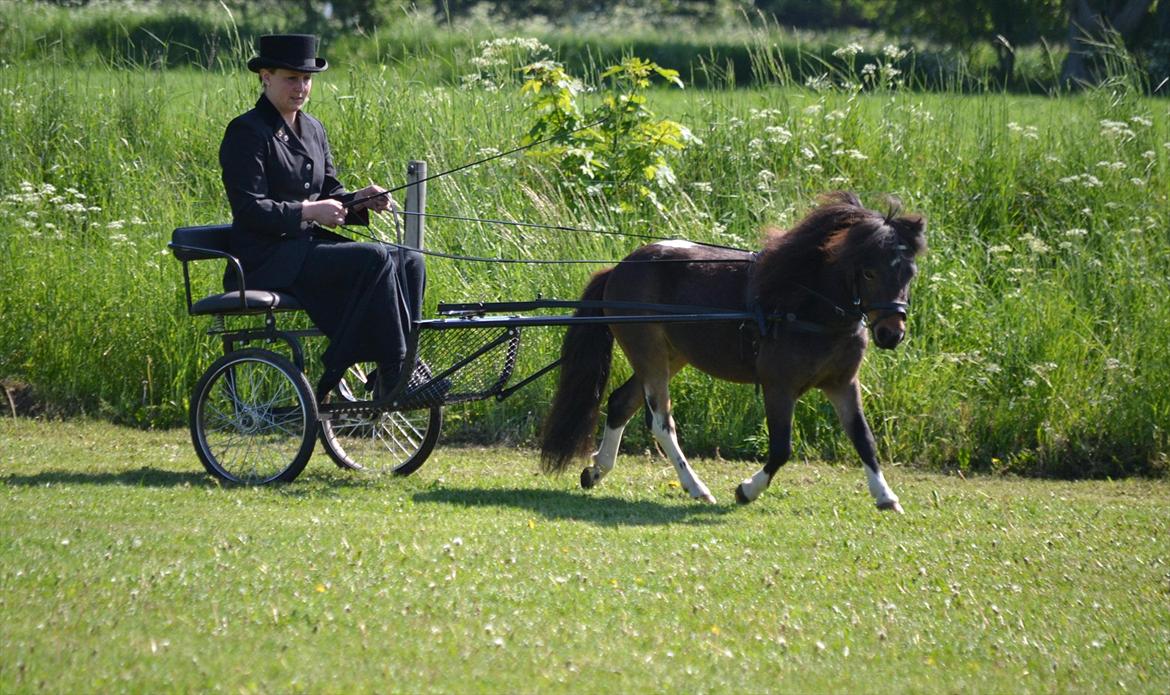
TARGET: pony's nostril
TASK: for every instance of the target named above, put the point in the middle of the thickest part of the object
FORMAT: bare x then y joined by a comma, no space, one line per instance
888,337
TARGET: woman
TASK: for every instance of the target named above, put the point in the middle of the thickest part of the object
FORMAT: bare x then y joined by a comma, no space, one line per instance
279,176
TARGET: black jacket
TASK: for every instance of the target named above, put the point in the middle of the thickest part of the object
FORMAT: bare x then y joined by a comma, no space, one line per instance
268,171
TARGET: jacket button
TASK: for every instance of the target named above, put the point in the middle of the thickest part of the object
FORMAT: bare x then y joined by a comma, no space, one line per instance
306,185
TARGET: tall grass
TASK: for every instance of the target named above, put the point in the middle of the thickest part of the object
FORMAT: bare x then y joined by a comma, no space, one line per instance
1039,329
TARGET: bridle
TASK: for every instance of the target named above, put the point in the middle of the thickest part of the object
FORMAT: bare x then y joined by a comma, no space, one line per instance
885,310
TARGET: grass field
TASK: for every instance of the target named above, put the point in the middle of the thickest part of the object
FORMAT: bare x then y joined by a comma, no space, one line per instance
124,568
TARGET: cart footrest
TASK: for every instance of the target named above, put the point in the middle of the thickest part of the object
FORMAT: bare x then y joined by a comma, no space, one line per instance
456,366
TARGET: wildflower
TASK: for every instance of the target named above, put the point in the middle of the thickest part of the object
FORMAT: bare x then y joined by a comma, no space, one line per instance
1037,245
116,224
778,134
1117,130
999,248
849,51
1029,132
1076,232
893,52
818,83
1141,120
702,186
1112,166
765,114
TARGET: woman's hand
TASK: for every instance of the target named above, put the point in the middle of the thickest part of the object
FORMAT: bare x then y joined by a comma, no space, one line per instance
378,199
327,212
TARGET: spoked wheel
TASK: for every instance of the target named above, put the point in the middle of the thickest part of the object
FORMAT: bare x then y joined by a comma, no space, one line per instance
380,442
253,418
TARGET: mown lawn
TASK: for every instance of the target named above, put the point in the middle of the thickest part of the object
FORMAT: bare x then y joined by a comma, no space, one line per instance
123,567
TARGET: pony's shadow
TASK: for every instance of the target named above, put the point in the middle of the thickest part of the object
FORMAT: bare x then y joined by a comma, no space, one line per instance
575,506
141,477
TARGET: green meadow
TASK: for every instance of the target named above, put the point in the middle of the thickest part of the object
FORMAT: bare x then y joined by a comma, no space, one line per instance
123,568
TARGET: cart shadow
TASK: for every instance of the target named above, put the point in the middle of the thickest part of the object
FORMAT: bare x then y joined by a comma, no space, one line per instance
140,477
575,506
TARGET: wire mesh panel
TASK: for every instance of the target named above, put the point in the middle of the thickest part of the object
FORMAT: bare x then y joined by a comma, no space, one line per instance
465,364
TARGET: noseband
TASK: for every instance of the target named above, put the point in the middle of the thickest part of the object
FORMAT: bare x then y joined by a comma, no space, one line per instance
887,309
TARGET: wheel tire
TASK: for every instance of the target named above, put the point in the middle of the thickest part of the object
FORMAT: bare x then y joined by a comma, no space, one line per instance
397,441
253,418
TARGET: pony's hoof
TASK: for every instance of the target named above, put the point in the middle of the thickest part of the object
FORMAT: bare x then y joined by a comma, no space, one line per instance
588,480
706,498
740,497
891,506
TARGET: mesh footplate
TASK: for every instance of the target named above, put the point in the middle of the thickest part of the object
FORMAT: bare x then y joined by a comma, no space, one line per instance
467,364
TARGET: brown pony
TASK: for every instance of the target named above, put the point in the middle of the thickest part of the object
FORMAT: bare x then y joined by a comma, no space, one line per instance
813,291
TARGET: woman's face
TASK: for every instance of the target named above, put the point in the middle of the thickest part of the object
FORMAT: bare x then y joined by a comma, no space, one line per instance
288,90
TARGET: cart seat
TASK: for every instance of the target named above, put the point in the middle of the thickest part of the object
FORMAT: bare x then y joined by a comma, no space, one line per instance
213,241
255,302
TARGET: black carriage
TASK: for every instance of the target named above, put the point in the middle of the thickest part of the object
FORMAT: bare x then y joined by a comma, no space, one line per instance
254,417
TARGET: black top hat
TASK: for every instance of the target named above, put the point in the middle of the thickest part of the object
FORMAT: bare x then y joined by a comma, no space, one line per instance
289,51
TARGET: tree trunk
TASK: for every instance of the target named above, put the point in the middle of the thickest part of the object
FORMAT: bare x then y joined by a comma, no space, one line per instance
1087,26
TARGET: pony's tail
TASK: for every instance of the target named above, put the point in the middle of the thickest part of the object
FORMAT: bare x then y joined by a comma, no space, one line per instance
585,360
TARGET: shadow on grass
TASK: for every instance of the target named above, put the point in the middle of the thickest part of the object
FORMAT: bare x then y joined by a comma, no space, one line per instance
592,509
142,477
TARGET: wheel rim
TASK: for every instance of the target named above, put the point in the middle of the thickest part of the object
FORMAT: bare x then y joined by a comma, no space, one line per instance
253,421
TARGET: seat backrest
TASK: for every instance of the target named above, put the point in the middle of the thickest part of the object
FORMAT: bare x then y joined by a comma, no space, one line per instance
198,243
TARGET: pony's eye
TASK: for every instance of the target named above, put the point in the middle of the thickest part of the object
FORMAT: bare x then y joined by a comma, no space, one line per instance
869,274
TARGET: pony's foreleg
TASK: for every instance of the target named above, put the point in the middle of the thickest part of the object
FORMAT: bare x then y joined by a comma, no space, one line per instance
623,403
778,407
847,402
662,425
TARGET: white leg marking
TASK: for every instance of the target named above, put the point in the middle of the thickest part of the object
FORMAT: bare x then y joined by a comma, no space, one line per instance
669,443
754,486
882,494
607,451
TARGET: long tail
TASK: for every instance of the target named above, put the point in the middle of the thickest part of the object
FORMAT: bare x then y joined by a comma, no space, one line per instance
585,361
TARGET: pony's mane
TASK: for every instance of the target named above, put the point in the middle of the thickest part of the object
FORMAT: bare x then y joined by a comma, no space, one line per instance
838,230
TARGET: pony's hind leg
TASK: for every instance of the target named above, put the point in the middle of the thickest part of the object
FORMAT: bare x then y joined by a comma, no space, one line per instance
662,425
623,403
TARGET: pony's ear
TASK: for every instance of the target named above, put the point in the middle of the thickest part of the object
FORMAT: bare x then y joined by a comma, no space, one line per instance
912,230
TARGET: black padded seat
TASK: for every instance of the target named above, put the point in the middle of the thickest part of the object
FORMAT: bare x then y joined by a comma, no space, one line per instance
256,301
